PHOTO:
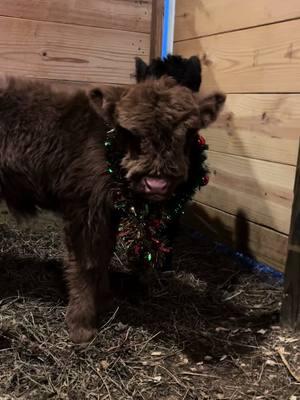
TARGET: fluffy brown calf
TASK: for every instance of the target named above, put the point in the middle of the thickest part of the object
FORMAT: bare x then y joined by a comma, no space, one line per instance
52,156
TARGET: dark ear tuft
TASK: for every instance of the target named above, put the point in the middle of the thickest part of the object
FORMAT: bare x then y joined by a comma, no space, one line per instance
186,72
192,74
140,69
210,107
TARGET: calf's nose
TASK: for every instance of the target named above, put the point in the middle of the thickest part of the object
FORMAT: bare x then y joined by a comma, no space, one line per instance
156,185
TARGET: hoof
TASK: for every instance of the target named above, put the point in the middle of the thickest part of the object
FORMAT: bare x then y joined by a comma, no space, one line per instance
80,334
81,330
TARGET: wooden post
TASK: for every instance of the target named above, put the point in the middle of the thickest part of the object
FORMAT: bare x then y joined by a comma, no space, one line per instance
290,311
156,28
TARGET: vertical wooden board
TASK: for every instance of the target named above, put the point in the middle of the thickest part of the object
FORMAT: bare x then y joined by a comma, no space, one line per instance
196,18
262,126
290,312
256,241
156,28
129,15
261,190
263,59
69,52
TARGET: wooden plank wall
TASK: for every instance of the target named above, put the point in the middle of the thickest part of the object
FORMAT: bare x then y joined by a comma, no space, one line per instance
249,49
72,43
83,41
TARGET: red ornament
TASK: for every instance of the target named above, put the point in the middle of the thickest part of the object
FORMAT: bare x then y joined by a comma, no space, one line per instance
164,249
156,223
205,180
137,249
201,141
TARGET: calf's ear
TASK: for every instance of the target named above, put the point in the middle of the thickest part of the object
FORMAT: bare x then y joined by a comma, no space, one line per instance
210,107
104,99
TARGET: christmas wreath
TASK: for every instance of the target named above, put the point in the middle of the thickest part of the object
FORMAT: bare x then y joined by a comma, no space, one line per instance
145,227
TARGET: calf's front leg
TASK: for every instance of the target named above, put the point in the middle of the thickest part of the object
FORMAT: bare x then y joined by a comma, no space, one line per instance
89,289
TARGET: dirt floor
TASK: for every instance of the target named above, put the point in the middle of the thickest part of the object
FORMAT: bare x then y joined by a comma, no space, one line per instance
208,330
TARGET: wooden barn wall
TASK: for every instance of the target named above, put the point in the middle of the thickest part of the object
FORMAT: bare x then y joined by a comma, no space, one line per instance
82,41
72,43
250,50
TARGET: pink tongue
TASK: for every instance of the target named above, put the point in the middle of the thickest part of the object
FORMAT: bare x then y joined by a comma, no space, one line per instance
156,185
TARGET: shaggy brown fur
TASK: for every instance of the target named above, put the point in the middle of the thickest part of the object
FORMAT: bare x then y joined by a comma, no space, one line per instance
52,156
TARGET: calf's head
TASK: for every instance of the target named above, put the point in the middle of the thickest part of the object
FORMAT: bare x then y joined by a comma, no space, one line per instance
157,123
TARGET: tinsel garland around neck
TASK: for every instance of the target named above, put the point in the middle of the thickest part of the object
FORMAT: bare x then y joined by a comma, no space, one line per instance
145,227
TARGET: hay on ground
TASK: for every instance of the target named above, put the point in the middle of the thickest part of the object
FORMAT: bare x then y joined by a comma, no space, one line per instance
208,330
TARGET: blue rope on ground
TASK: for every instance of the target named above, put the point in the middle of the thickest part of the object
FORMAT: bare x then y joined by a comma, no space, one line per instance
265,270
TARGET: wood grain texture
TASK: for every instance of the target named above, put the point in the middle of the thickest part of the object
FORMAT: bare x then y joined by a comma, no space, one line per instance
261,191
156,28
69,52
259,242
262,126
129,15
73,85
263,59
205,17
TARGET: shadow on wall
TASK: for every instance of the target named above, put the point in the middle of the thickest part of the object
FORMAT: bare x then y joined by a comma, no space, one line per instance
260,192
233,224
238,237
